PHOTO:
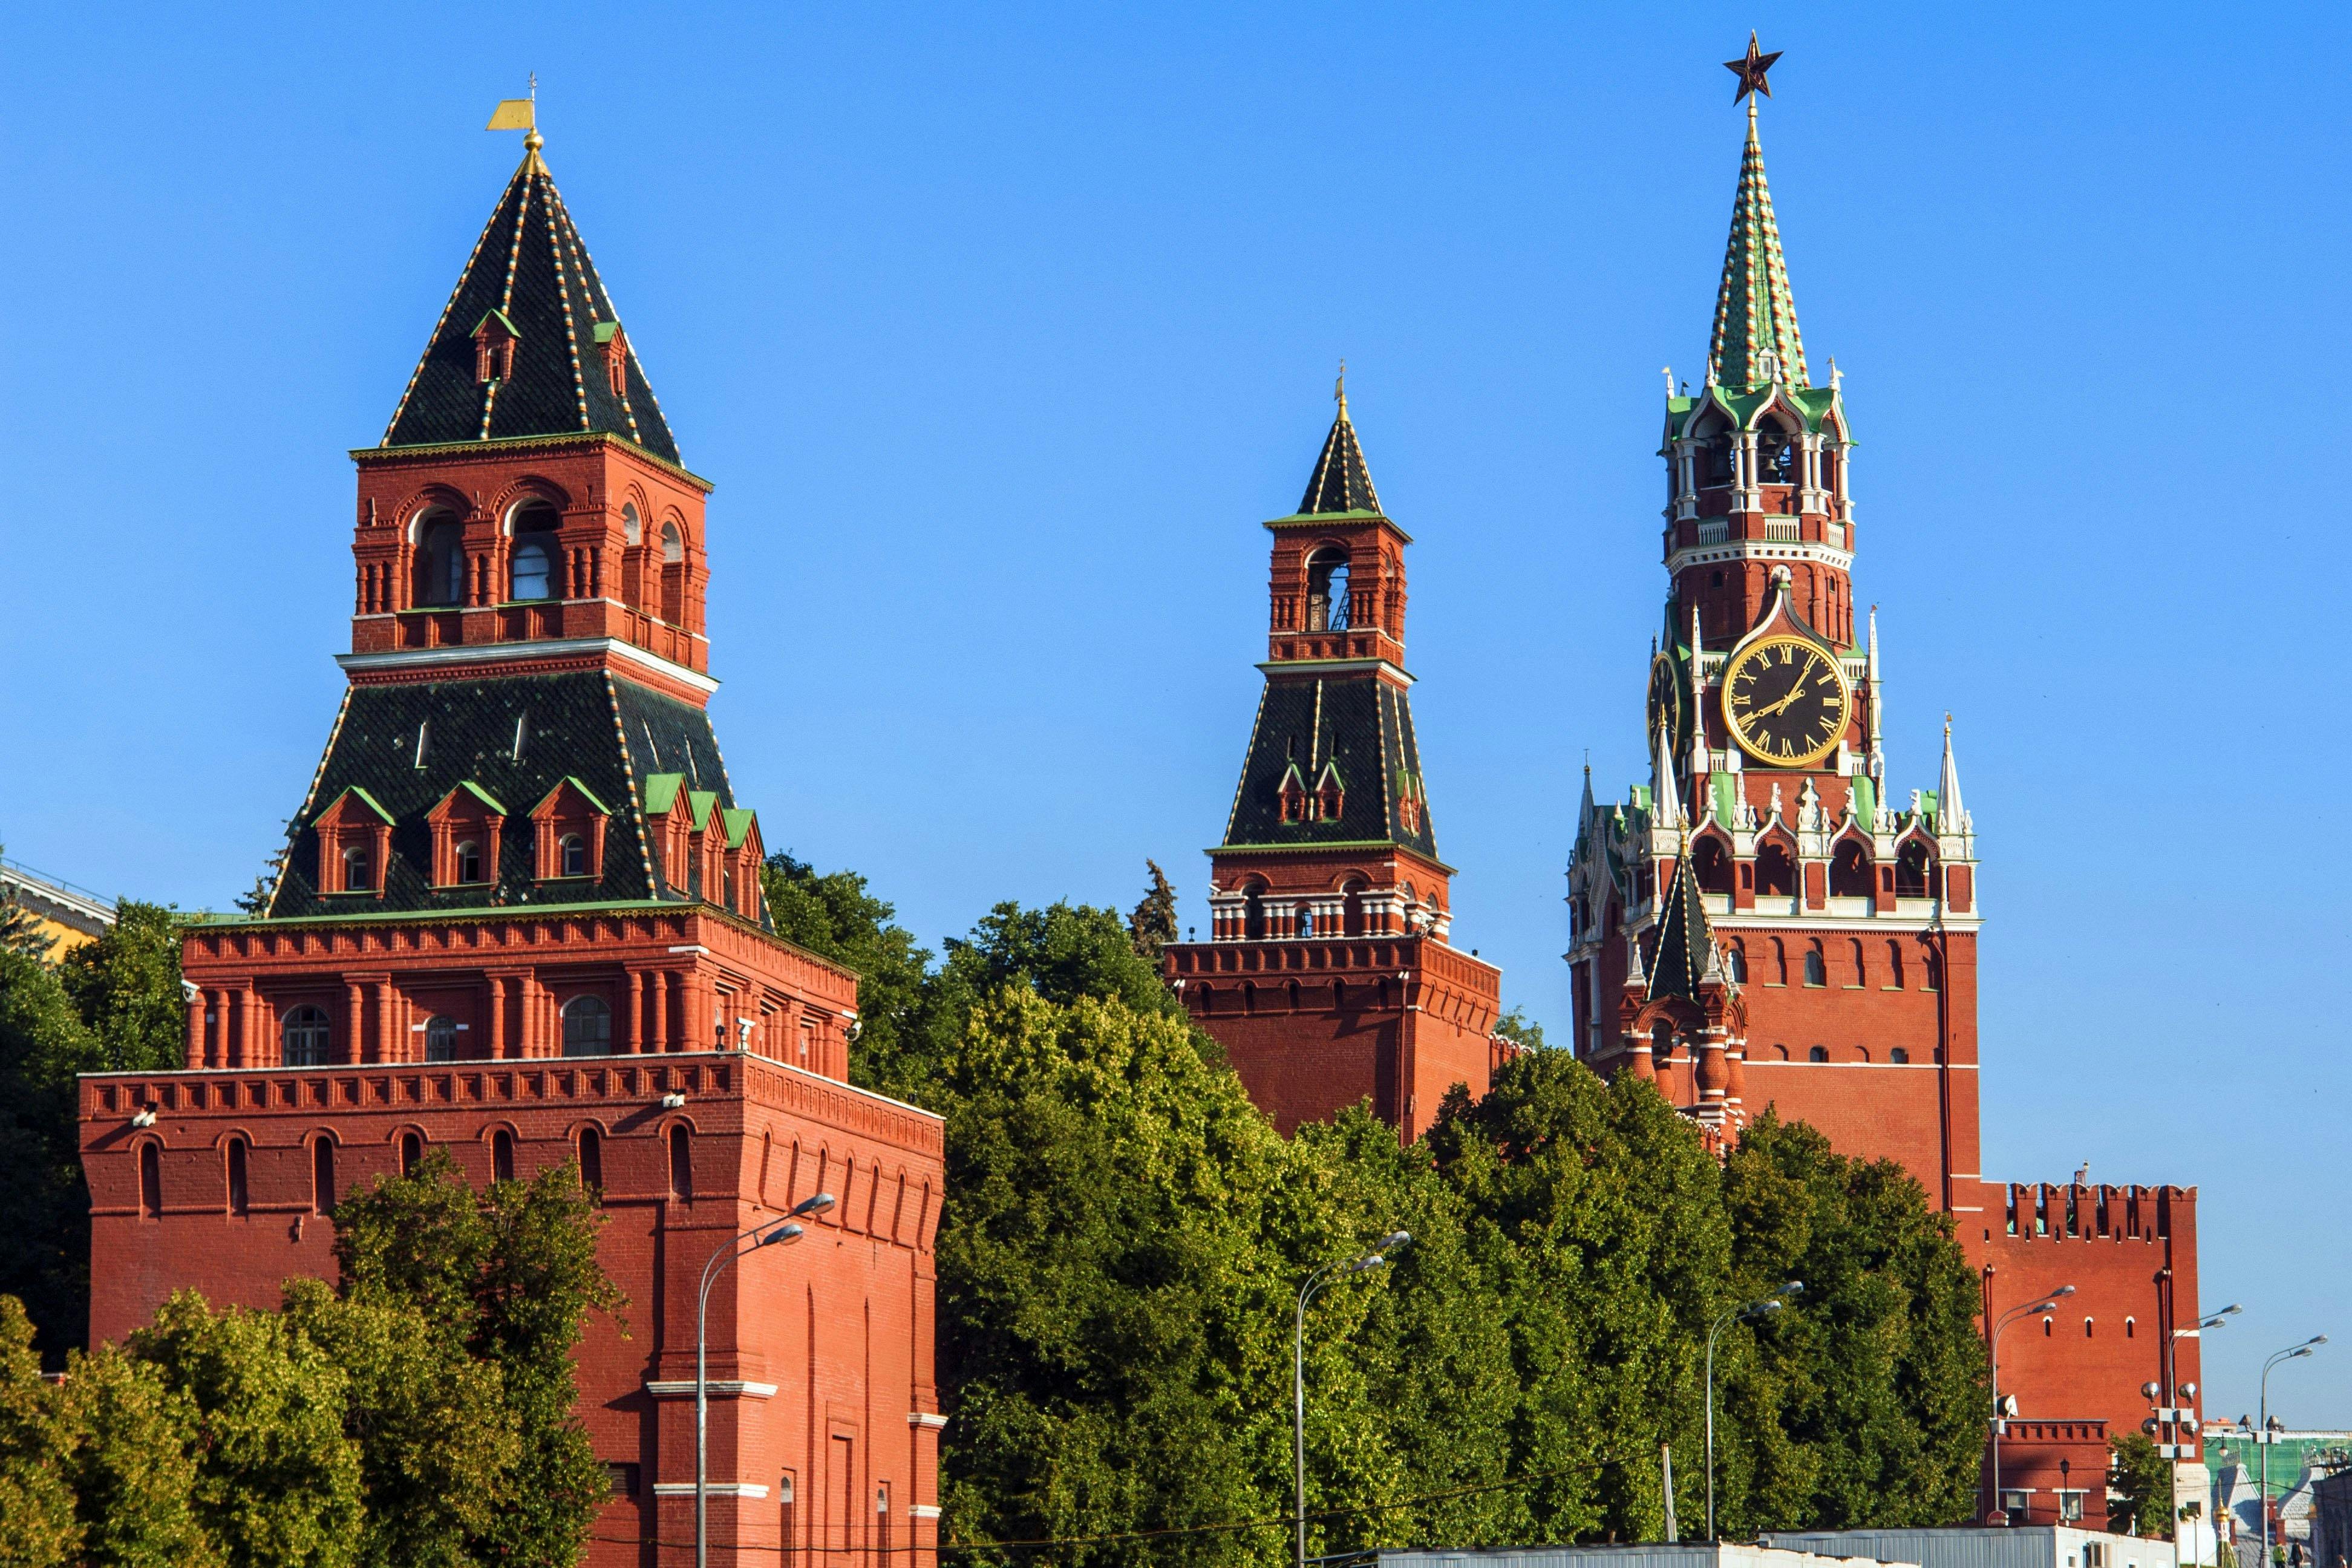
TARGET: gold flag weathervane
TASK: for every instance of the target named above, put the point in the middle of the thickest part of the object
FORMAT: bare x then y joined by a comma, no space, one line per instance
518,113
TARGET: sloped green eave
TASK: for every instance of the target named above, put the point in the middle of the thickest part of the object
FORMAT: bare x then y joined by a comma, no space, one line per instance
484,796
388,452
701,802
501,318
586,792
1866,800
661,792
365,799
738,822
1324,519
1725,787
607,331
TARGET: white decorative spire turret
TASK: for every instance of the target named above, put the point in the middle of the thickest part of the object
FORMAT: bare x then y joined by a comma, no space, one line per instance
1698,758
1951,816
1665,800
1877,702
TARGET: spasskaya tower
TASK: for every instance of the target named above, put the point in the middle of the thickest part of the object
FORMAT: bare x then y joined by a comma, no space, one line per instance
1769,923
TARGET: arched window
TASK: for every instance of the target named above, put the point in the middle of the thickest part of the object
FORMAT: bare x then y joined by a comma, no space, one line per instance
681,1163
238,1202
571,854
412,1152
502,1155
322,1174
469,861
1352,919
150,1182
1861,969
438,577
2130,1328
2047,1325
359,869
1899,1055
1715,457
1915,866
633,527
533,570
1735,963
1712,864
673,607
1816,1053
592,1159
1780,963
1895,966
1661,1041
1254,913
1850,871
1775,876
1306,921
1816,972
302,1037
1327,590
587,1027
440,1039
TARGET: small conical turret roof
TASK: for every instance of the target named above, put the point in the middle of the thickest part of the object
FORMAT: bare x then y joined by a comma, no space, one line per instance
1341,482
1755,315
1685,942
529,281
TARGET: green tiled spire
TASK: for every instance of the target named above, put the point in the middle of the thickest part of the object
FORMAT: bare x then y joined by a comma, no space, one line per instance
1754,314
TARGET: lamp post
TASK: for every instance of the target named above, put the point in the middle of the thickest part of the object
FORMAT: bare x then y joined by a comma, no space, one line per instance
1368,1262
2042,1304
765,1233
2171,1419
1756,1308
2262,1433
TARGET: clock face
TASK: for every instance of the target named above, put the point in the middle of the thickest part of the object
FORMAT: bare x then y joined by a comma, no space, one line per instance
1785,702
1665,698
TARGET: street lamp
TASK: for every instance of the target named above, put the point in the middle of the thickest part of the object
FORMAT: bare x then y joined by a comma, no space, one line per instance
2263,1434
2013,1315
1757,1308
1371,1260
765,1233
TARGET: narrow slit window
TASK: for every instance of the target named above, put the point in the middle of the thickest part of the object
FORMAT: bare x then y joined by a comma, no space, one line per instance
237,1200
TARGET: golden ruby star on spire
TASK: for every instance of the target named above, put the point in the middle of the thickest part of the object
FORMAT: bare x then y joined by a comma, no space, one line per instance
1750,71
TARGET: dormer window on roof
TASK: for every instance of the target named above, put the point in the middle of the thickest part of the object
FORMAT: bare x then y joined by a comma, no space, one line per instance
614,343
494,346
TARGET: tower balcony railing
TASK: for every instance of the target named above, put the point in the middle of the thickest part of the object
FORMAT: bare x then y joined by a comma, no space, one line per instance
1783,529
1714,530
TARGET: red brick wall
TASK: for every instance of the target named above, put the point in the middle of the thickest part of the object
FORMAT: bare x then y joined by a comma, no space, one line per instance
840,1324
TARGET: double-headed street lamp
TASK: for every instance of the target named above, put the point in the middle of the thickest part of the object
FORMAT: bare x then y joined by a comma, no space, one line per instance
1756,1308
2032,1308
2262,1433
1368,1262
767,1233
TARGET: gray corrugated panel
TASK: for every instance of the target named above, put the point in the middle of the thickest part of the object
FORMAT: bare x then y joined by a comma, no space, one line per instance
2017,1546
1648,1556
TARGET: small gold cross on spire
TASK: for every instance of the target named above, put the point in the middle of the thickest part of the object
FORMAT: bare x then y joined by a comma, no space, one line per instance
1751,69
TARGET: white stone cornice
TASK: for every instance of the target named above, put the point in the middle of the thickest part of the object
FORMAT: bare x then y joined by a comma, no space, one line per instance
459,654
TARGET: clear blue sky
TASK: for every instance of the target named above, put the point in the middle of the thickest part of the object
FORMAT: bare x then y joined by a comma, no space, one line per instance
1001,334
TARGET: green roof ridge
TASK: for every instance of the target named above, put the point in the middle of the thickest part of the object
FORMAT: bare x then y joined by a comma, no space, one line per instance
372,803
661,792
484,796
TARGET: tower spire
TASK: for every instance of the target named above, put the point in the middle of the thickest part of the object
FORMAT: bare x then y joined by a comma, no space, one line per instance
1340,481
1951,816
1755,339
1666,801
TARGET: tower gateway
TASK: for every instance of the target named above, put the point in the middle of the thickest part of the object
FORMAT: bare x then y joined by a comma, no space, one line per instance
1328,976
1767,923
519,919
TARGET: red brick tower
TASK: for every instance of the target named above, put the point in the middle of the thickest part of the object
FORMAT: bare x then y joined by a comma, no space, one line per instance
1328,978
521,918
1766,925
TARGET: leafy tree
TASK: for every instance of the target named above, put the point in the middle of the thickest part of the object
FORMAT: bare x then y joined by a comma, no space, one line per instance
126,985
1597,1212
278,1483
1864,1405
44,1257
438,1442
1152,926
36,1501
2140,1486
1112,1314
1064,952
1520,1030
511,1275
135,1466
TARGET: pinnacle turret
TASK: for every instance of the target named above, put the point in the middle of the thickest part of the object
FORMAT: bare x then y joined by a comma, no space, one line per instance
1756,331
1340,481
